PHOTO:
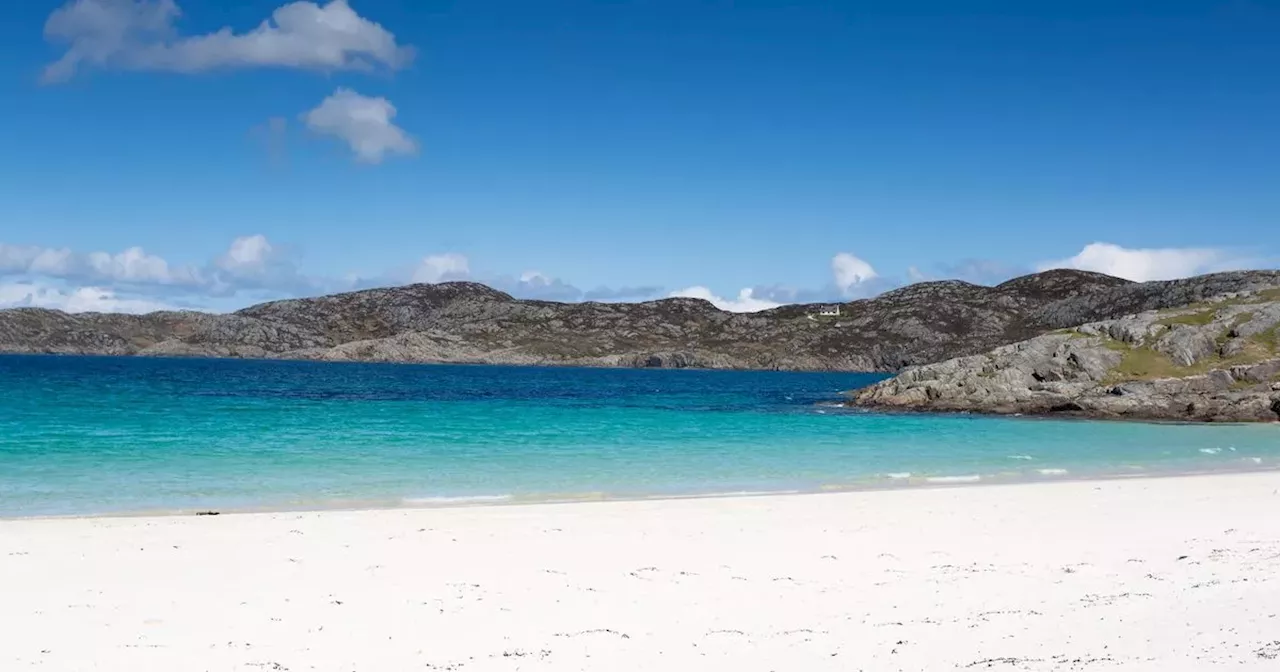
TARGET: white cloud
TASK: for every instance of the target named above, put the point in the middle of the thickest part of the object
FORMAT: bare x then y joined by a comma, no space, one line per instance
916,275
850,271
442,268
851,278
247,254
250,263
1142,265
24,259
364,123
73,300
140,35
134,265
16,258
745,302
52,261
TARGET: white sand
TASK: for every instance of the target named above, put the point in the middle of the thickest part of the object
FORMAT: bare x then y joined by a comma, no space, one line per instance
1069,576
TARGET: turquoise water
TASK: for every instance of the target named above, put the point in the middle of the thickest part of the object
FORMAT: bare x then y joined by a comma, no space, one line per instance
82,435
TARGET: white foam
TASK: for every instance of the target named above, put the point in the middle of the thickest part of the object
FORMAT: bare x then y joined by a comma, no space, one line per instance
453,501
1052,472
953,479
754,493
1256,460
899,475
1021,457
1211,451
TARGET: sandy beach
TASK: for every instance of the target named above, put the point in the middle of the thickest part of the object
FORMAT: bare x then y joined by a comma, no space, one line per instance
1151,574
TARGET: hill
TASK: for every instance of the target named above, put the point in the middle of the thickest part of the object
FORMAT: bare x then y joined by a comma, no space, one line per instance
469,322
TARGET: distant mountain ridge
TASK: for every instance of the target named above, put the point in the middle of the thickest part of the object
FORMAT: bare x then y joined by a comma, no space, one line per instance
466,322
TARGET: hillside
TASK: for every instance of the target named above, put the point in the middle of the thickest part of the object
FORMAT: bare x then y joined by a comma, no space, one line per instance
468,322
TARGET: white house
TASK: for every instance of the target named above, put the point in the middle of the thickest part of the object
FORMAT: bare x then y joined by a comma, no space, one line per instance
829,311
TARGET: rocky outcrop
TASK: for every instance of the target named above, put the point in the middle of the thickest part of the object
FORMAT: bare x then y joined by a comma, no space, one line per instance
1217,360
470,323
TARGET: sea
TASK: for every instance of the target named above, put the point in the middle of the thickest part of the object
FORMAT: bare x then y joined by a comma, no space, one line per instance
102,435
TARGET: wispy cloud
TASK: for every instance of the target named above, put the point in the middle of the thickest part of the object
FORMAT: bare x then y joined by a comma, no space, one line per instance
453,266
977,271
640,292
273,134
141,35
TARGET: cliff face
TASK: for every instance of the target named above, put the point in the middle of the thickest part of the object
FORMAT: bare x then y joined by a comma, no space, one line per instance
468,322
1216,360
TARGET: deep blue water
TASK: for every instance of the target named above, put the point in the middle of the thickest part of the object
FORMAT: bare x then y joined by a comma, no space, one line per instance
95,435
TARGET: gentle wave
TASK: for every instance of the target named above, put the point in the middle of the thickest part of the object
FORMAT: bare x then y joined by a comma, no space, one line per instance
1052,472
899,475
1021,457
734,493
454,501
972,478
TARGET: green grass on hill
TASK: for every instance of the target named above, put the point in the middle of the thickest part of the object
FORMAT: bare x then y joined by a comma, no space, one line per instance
1144,363
1191,319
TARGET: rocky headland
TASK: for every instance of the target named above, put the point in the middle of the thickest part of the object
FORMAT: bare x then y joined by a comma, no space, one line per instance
1212,360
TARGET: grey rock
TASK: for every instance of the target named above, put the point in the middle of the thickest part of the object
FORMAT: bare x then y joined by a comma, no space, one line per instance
1158,365
1186,346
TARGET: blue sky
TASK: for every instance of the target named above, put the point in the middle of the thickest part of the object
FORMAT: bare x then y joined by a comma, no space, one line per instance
182,153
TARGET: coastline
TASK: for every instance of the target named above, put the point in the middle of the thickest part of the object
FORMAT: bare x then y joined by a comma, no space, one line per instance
621,362
902,482
1028,414
1143,574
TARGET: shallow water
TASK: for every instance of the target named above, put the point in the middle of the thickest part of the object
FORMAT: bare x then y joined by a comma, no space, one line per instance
83,435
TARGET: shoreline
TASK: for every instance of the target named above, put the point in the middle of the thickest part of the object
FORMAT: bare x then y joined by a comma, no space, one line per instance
1151,575
1065,416
888,483
549,364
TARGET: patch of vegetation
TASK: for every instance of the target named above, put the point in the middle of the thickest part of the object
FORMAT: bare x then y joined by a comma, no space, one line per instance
1269,339
1225,336
1118,346
1242,318
1199,319
1143,363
